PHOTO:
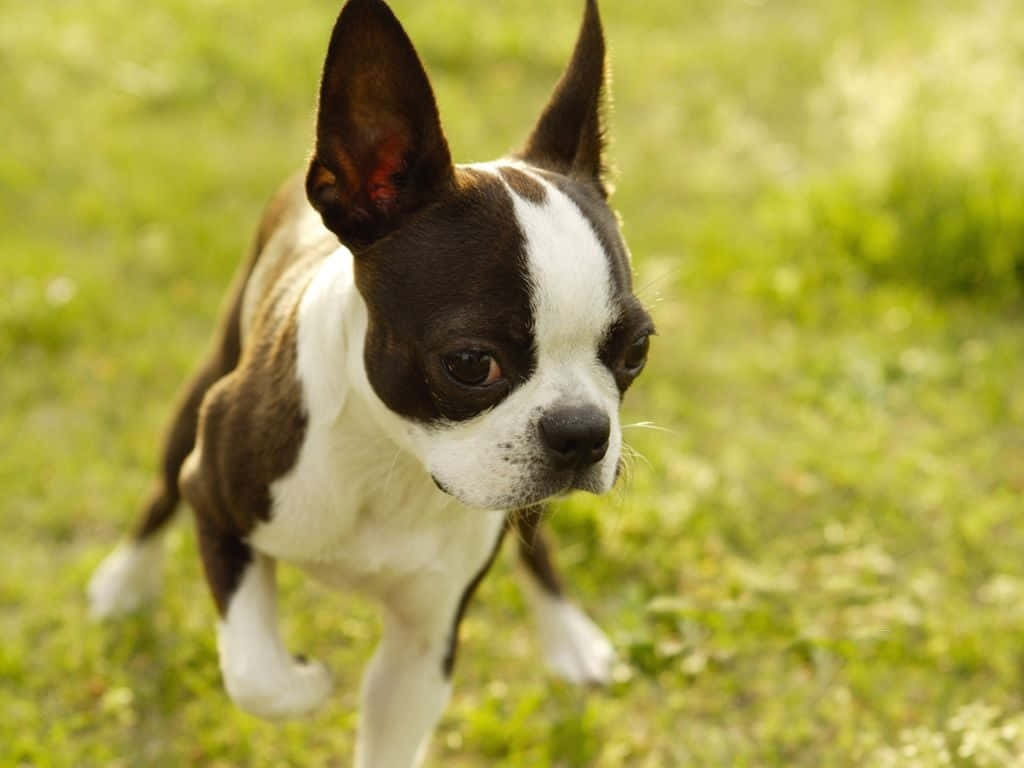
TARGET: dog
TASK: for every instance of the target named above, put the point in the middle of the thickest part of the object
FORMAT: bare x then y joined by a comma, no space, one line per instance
415,357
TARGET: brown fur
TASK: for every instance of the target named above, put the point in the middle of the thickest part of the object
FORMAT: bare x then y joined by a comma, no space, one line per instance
453,274
251,428
523,185
534,551
221,360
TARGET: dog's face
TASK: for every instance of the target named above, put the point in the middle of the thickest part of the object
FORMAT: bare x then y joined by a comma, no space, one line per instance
503,330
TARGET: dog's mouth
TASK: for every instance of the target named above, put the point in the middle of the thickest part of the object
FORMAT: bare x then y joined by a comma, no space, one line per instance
538,491
440,486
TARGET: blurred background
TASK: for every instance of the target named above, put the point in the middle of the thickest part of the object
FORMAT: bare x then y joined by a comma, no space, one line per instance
817,558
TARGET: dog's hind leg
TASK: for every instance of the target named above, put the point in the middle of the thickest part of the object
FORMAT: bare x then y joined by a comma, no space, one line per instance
130,575
574,648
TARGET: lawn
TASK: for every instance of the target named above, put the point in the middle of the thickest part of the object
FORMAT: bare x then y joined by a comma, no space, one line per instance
817,557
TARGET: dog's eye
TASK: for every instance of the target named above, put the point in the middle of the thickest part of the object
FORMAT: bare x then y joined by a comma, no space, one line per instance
636,354
473,367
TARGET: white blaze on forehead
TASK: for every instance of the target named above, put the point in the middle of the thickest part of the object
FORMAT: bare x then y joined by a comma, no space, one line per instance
569,274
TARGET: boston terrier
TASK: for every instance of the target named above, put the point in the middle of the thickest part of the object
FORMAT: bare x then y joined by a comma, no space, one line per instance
415,357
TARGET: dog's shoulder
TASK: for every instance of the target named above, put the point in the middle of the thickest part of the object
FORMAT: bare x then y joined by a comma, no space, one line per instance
290,242
251,427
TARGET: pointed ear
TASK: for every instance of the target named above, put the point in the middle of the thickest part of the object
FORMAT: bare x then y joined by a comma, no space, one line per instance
380,153
569,137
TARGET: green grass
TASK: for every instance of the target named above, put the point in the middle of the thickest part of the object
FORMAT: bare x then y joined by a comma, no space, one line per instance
817,562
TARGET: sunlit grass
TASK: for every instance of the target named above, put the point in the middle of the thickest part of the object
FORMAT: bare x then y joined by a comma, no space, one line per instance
816,560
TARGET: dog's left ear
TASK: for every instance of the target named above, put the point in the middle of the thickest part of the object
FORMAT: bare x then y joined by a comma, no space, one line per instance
380,153
569,137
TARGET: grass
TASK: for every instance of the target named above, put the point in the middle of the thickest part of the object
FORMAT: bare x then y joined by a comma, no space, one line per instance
817,561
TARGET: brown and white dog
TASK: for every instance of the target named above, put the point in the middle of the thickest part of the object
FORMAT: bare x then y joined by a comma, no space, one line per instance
414,351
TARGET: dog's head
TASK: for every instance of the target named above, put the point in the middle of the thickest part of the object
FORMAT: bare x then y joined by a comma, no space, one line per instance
502,326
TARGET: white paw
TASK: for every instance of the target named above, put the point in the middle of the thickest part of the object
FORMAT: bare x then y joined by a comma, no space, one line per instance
127,578
290,690
575,648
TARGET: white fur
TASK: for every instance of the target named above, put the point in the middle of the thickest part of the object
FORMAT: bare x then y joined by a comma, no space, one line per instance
127,579
569,278
259,674
300,233
575,649
404,693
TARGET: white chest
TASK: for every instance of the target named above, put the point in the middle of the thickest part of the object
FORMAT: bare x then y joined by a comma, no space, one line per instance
357,513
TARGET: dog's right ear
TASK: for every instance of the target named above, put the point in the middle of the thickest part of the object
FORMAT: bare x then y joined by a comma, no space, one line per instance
380,153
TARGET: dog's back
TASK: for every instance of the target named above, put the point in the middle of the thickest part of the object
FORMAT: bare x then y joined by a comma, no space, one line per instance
290,241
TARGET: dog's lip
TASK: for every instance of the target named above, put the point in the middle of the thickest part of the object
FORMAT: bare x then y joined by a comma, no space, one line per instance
561,487
440,486
556,488
537,497
589,477
580,481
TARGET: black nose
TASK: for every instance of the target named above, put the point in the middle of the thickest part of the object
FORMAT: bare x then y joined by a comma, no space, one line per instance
576,436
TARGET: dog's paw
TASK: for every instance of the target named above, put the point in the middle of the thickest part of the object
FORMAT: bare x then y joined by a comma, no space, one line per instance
128,578
575,649
295,689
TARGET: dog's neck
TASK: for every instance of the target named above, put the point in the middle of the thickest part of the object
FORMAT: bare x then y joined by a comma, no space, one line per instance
333,319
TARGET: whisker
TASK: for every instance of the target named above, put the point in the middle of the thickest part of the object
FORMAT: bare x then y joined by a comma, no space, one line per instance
631,455
649,425
516,515
617,501
657,280
513,518
391,471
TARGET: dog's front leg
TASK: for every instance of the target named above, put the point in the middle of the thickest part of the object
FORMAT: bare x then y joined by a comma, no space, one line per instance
259,674
408,681
574,647
405,690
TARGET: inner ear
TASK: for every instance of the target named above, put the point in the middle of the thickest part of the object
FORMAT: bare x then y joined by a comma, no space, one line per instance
378,179
569,136
380,152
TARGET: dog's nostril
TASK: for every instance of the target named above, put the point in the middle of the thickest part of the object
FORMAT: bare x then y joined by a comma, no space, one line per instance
576,436
563,448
